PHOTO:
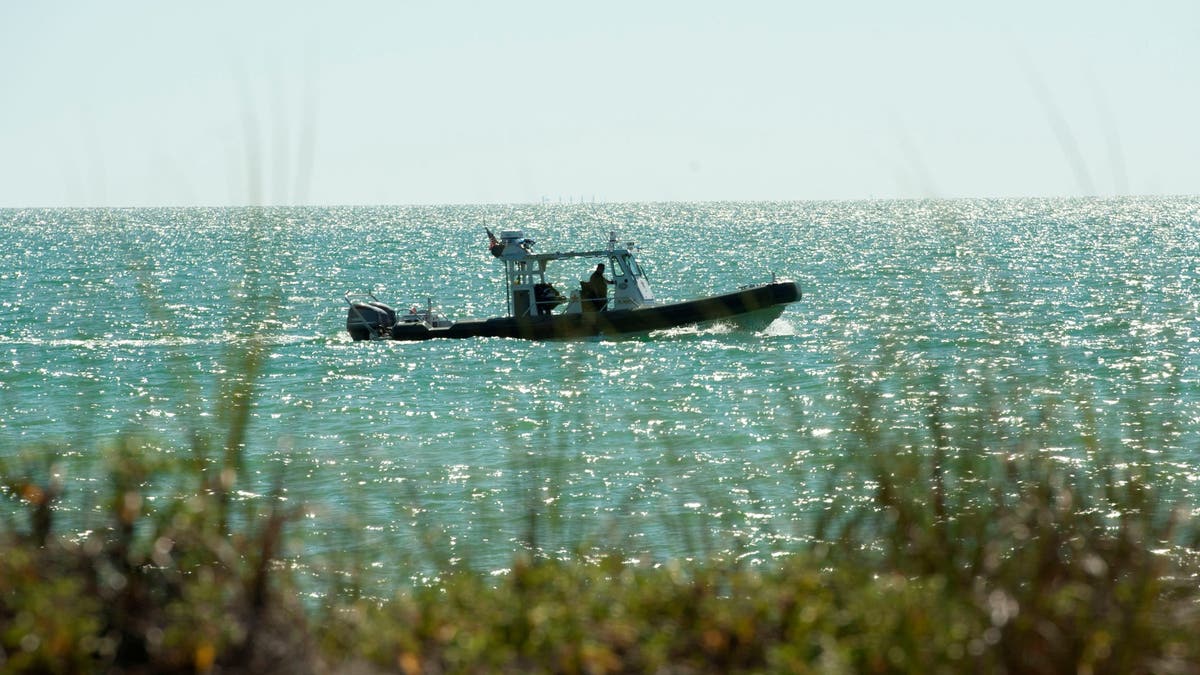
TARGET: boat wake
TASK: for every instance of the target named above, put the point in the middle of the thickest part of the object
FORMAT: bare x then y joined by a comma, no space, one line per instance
779,327
101,343
694,330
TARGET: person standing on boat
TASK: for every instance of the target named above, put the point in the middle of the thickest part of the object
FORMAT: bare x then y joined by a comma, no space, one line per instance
599,287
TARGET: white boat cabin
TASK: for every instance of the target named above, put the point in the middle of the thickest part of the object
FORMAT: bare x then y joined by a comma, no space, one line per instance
530,294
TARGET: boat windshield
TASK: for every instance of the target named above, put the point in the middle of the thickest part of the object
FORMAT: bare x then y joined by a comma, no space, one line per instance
633,267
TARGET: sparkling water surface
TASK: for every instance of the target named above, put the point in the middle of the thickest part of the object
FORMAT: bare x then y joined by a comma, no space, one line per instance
1063,319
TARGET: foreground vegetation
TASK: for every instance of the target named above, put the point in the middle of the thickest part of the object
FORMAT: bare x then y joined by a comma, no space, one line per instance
1021,568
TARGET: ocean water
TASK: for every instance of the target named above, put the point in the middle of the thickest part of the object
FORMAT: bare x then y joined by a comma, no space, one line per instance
1071,322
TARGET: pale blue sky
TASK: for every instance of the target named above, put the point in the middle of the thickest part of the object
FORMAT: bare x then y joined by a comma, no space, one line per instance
130,103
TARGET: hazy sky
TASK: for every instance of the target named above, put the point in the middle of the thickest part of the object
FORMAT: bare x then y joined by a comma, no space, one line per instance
127,103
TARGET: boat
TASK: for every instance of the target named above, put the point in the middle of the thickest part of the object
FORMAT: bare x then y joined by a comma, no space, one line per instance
533,303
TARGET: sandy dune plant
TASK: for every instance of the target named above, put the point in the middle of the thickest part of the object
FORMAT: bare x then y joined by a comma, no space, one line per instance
1006,563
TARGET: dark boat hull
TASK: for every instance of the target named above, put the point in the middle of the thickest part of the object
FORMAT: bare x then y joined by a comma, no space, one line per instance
757,306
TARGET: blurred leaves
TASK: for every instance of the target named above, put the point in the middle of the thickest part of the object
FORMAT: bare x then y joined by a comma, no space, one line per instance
998,563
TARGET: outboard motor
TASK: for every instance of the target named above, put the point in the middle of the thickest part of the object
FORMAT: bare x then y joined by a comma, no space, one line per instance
369,320
388,312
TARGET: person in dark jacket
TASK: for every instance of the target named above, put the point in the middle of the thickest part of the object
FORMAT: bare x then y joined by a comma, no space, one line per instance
598,286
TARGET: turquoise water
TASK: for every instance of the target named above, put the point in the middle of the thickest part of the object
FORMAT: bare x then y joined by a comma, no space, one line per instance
1055,319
